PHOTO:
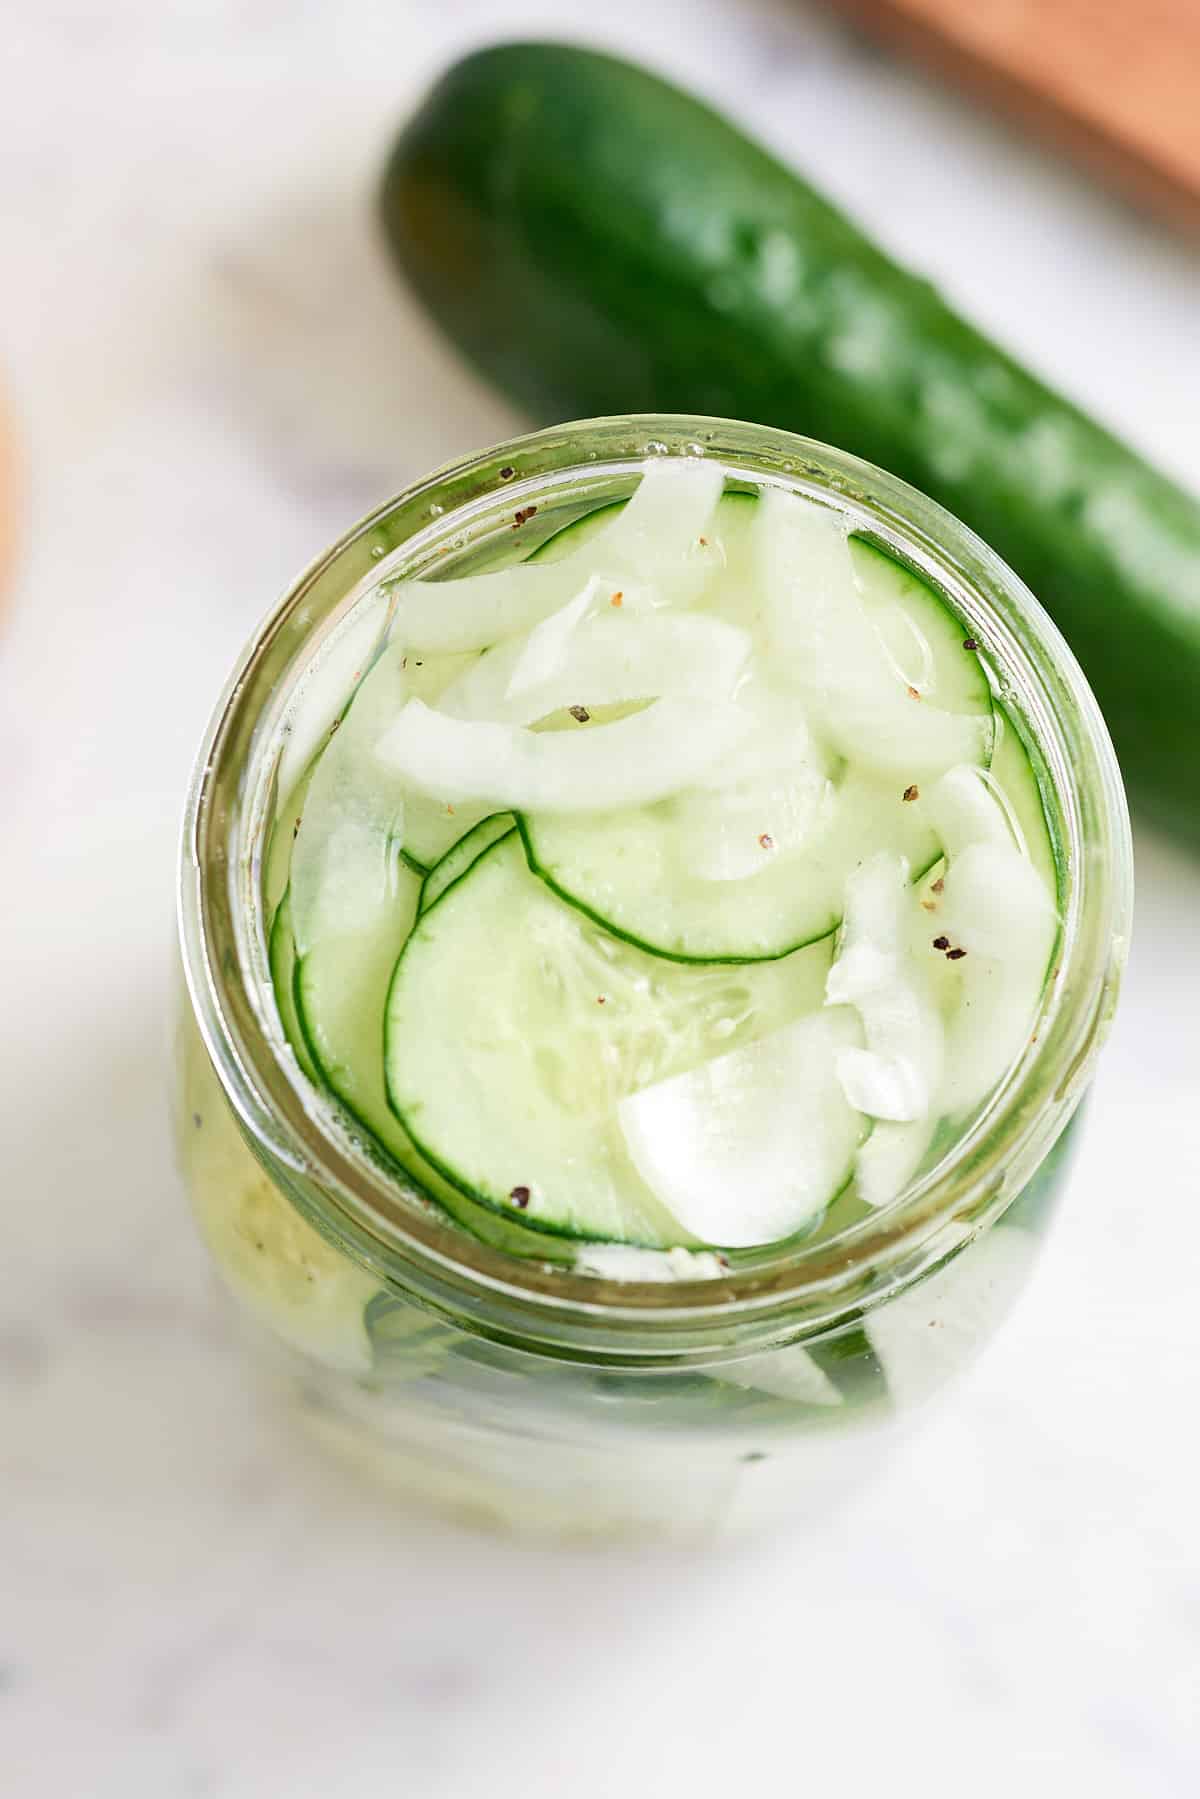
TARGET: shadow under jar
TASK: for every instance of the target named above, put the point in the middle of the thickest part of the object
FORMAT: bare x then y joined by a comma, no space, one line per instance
528,1394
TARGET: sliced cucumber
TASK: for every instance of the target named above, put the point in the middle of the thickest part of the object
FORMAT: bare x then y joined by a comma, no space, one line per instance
282,954
1026,788
631,872
572,537
341,987
290,1279
514,1027
456,861
433,827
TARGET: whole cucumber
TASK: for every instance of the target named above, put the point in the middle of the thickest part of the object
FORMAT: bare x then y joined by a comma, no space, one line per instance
599,242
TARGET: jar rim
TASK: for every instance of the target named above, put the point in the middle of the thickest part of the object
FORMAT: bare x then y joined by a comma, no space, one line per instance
361,1206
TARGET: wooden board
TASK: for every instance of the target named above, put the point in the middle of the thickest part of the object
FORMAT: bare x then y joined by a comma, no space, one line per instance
1118,84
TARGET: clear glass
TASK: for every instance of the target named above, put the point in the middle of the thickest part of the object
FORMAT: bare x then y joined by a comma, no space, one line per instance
527,1395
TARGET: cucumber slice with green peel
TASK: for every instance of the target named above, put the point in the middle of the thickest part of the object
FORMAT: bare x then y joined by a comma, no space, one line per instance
572,537
926,640
277,864
455,863
282,957
514,1027
1027,791
340,990
291,1280
432,827
340,986
631,872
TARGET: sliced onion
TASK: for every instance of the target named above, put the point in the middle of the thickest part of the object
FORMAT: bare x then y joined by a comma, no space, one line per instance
321,694
345,859
897,1076
995,903
967,806
890,1157
997,908
652,540
779,743
769,797
658,530
789,1373
608,660
542,653
633,762
886,1087
929,1332
477,610
751,1146
627,1262
823,638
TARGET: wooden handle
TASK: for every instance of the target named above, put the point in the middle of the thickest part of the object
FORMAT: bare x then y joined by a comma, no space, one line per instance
1116,84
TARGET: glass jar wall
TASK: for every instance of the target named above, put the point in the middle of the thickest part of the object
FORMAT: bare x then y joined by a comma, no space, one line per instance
528,1394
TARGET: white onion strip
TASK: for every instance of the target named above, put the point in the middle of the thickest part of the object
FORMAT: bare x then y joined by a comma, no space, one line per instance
749,1147
656,535
890,1157
897,1076
542,652
651,540
823,638
634,762
346,855
607,660
968,806
768,798
996,909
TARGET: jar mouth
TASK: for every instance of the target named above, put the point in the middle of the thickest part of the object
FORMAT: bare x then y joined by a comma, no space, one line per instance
351,1197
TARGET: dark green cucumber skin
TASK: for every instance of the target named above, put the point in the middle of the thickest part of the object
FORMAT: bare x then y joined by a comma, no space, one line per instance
599,242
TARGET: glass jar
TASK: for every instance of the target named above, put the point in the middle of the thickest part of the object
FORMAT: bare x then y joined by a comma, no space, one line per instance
533,1396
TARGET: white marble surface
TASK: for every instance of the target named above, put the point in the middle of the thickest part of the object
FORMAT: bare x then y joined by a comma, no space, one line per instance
214,373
